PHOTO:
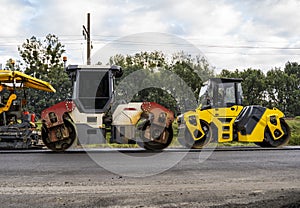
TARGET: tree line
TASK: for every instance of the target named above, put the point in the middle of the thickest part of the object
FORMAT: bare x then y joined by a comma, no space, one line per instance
277,87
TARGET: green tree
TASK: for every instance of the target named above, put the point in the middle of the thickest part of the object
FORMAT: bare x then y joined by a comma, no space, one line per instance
42,59
12,65
283,88
276,84
254,86
149,65
230,74
157,68
193,71
292,90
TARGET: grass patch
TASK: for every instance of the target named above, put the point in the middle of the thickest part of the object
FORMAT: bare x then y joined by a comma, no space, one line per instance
294,124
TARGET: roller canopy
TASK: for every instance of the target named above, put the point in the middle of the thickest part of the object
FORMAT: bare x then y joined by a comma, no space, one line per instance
20,79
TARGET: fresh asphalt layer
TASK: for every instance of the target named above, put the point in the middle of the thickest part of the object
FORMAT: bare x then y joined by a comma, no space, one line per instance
247,177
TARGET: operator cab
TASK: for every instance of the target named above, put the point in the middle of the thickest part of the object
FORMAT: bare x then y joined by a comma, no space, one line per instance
221,93
93,86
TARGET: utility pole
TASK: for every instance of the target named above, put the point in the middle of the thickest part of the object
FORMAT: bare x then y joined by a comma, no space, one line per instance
87,36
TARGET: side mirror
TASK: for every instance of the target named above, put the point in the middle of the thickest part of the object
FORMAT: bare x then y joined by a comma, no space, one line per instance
117,71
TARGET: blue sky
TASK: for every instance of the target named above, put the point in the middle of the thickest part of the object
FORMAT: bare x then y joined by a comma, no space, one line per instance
231,33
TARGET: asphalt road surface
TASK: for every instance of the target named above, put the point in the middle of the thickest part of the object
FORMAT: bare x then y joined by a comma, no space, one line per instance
136,178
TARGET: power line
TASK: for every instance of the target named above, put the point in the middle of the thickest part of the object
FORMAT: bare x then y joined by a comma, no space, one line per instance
253,54
260,50
80,41
105,39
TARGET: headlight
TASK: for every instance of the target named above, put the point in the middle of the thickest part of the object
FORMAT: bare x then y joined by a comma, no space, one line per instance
192,120
273,120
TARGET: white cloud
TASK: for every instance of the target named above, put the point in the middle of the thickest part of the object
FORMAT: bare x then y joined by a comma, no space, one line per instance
13,23
14,16
220,28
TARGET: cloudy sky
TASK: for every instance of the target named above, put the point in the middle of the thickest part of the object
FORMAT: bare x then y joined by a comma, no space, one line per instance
232,34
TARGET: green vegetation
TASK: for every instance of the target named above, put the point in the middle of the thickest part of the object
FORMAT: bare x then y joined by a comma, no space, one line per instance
160,70
295,130
43,59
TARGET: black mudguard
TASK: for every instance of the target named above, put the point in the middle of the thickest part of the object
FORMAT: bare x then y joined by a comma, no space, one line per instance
249,118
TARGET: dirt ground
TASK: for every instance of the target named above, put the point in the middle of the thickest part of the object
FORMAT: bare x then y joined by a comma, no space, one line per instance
126,192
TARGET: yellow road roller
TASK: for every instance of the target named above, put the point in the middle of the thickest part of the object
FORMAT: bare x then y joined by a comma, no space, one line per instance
221,117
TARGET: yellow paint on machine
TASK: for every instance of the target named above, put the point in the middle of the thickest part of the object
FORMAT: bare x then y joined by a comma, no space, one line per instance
223,119
15,77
